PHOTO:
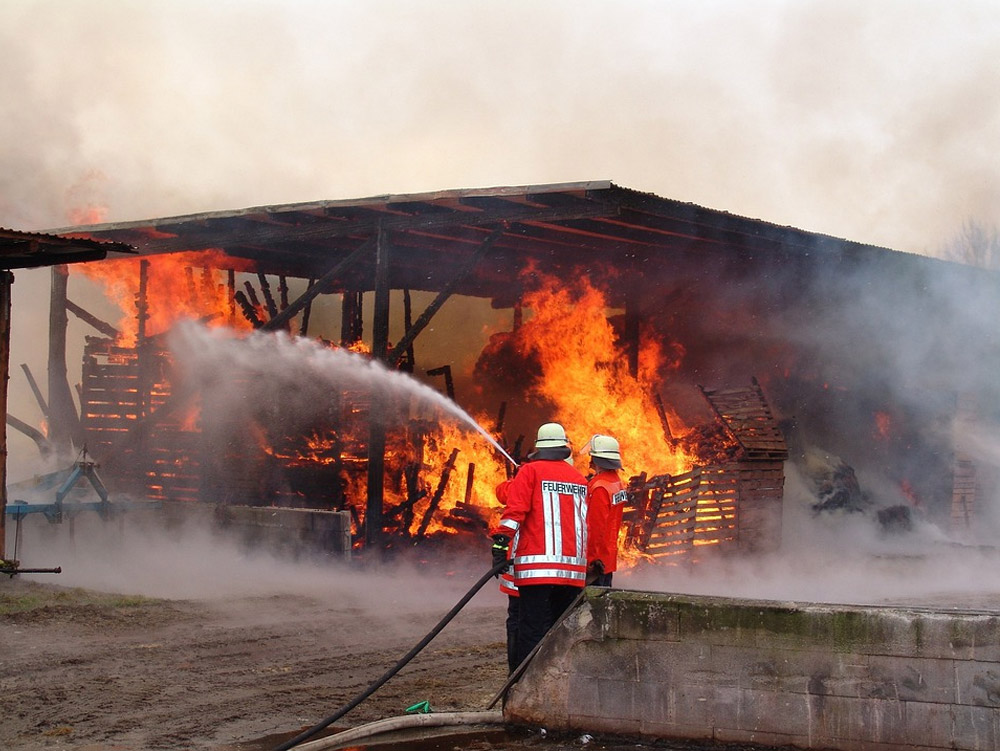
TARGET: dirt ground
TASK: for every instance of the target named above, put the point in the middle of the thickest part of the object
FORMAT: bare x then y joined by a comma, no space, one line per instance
103,671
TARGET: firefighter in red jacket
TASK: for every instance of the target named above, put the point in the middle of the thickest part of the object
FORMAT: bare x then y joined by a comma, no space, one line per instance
606,498
543,529
509,588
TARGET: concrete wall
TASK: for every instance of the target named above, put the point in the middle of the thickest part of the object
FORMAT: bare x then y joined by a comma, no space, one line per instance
293,532
814,676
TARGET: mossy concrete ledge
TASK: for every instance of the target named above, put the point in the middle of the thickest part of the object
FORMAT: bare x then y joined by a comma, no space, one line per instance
662,666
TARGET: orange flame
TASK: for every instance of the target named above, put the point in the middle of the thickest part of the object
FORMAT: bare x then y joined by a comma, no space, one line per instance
585,375
174,290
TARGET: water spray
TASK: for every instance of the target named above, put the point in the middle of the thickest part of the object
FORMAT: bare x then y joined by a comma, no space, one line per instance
283,361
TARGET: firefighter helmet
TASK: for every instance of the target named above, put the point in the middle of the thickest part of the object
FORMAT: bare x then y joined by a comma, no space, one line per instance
604,450
551,435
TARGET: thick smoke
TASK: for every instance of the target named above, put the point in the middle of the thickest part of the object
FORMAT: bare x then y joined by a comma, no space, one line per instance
875,122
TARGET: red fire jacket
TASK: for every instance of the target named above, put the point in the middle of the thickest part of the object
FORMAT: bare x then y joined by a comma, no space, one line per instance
507,585
606,498
546,517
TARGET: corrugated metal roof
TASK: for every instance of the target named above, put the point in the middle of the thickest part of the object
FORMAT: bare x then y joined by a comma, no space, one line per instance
21,250
560,228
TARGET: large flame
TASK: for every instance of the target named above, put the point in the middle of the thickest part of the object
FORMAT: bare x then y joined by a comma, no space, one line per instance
178,285
585,375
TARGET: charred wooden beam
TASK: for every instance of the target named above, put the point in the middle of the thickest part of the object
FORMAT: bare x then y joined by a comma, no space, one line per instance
449,384
408,362
283,291
500,418
34,389
351,321
322,283
65,429
87,317
662,412
376,429
470,481
44,445
443,296
265,288
252,295
438,494
306,311
249,311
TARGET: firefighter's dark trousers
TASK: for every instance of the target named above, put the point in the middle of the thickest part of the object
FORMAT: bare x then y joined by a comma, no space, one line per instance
540,606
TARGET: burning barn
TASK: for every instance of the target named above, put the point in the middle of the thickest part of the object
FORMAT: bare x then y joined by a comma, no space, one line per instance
721,350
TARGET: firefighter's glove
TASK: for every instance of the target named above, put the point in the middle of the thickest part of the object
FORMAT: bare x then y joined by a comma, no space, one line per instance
501,552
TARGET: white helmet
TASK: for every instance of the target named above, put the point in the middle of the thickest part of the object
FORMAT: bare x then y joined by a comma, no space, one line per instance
551,435
604,447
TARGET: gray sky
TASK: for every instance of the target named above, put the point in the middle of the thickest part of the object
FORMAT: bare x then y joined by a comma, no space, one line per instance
874,121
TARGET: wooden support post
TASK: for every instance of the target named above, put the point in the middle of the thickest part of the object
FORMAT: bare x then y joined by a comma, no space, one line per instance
351,323
408,362
6,280
306,311
65,428
377,427
380,316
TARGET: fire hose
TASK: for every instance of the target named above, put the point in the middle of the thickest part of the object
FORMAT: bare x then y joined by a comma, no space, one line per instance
309,733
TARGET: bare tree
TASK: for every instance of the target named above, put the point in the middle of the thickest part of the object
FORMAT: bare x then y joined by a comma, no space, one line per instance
976,245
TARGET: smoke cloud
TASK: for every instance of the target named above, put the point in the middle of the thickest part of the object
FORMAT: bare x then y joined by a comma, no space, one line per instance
874,122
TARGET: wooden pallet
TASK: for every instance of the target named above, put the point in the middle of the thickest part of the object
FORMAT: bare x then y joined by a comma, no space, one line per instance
747,416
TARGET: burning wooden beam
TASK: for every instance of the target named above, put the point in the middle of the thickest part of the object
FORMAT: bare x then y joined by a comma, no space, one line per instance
438,494
249,311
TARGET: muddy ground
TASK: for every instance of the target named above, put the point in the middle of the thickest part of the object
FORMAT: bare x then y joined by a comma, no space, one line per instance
98,671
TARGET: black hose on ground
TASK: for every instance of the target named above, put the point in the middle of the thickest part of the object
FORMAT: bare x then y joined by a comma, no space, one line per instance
307,734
